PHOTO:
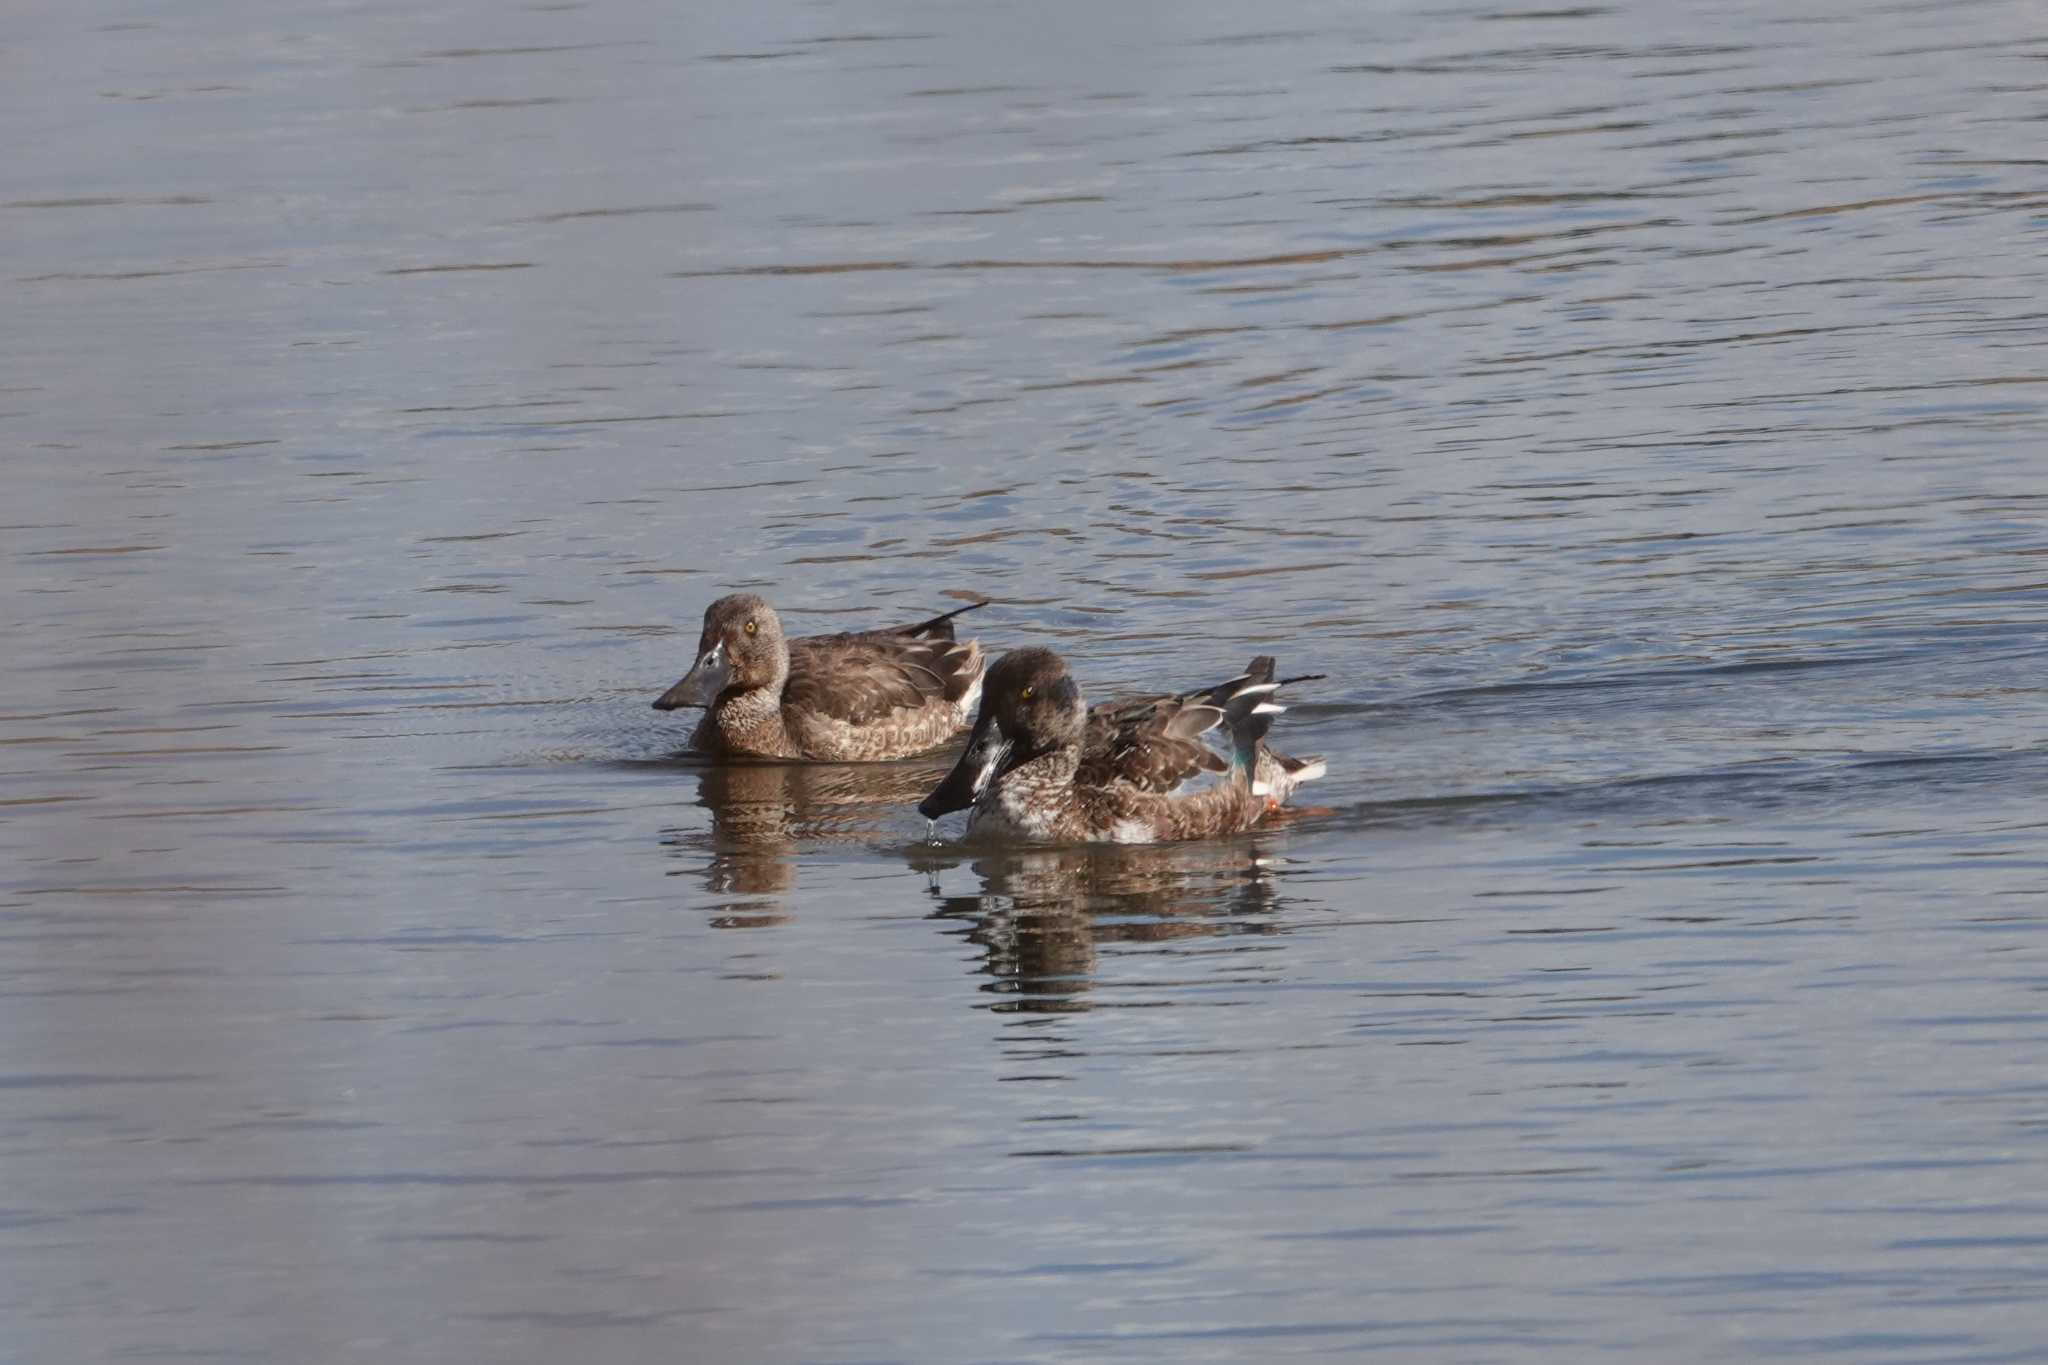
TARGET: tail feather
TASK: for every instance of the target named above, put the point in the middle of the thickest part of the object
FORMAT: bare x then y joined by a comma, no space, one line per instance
963,683
1260,671
1249,704
940,627
1303,769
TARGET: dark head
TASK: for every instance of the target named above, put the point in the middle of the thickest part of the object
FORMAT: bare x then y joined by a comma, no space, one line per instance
1030,706
741,649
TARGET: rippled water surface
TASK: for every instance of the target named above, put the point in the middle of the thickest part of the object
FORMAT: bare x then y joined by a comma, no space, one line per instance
1636,411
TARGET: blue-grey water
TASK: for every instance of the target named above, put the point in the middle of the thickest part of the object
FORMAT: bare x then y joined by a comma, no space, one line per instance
1636,410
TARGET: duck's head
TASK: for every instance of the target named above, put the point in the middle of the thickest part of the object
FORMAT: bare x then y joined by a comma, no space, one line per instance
741,648
1030,706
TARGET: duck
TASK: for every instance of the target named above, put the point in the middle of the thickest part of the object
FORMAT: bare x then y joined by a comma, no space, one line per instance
1040,766
858,697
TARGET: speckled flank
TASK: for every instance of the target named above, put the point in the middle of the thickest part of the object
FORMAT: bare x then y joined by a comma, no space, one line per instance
1039,802
903,732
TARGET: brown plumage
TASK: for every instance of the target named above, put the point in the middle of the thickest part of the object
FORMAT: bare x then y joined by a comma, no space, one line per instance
832,698
1156,743
1041,767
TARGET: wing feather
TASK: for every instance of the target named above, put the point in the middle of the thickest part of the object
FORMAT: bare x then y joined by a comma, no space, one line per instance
864,679
1156,743
1151,743
859,681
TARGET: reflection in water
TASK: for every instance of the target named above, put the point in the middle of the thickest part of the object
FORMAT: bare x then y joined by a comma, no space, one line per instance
1042,913
1039,914
761,812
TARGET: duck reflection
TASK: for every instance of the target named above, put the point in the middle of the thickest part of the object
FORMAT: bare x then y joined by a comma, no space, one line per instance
762,812
1042,915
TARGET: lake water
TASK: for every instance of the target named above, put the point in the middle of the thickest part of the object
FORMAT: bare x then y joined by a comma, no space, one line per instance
1637,412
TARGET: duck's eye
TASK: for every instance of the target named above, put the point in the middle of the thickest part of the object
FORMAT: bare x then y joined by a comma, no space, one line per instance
750,627
1026,693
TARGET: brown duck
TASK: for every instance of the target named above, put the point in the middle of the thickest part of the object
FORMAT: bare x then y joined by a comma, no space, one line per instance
829,698
1041,767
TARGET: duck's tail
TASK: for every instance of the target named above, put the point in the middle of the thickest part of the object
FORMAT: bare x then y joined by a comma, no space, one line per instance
1259,670
1280,774
939,627
1249,705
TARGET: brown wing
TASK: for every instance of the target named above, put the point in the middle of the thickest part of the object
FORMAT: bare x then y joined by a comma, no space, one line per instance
1155,743
1152,743
862,679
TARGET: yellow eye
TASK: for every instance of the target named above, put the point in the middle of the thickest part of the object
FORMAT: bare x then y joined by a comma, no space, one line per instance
1026,693
749,627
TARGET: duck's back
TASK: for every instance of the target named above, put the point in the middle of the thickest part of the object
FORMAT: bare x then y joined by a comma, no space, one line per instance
1152,743
878,695
1141,756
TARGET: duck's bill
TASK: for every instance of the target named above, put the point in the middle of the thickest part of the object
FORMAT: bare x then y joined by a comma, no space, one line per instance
981,763
702,684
